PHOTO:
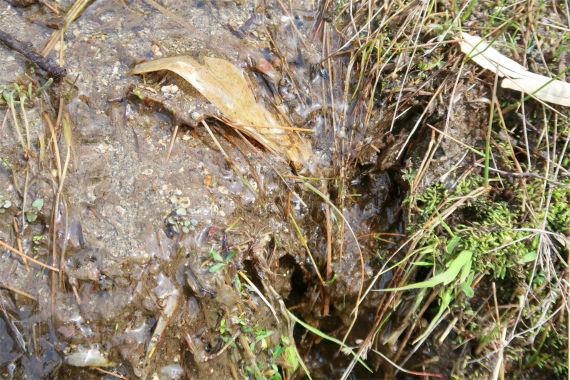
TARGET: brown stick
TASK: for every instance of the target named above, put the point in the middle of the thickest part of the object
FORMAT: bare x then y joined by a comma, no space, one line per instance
46,64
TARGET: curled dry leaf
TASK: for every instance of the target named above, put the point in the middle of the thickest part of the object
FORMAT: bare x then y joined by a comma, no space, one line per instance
517,77
224,85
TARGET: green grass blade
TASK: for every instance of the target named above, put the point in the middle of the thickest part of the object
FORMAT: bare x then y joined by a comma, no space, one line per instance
444,224
446,299
443,278
325,336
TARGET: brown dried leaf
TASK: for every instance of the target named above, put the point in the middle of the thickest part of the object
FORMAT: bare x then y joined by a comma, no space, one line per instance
224,85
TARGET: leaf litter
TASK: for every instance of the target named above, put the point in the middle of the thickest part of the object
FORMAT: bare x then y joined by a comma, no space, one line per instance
224,85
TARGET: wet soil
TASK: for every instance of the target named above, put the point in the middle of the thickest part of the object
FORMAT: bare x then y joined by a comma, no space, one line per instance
150,284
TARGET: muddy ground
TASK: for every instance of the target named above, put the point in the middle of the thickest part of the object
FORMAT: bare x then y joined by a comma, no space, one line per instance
152,252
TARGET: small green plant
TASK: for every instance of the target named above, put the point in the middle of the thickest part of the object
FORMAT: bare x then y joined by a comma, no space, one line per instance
180,223
219,261
5,203
32,214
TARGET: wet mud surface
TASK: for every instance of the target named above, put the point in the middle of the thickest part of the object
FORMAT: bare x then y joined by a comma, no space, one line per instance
153,252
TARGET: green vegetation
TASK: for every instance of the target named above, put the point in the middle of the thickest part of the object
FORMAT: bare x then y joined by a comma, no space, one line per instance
484,268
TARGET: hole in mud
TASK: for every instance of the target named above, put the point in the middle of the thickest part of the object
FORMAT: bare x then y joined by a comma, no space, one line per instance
251,271
298,284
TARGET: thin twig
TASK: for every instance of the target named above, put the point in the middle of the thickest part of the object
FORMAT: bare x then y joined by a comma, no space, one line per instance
24,256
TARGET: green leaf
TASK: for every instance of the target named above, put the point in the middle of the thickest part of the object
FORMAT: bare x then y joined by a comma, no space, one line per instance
278,351
181,212
452,244
263,335
466,286
444,225
31,215
291,355
530,256
443,278
276,376
230,255
38,204
238,282
216,256
216,267
446,298
465,272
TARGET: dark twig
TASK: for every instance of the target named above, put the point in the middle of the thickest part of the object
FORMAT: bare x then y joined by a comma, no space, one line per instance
46,64
200,287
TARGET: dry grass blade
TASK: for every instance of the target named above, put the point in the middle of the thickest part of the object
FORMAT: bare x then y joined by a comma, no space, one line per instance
406,371
223,84
260,295
307,248
18,291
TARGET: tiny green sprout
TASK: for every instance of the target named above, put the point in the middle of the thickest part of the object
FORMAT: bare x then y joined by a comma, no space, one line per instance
137,93
332,279
216,267
17,87
181,212
262,334
216,256
38,204
31,215
36,238
223,328
44,87
230,255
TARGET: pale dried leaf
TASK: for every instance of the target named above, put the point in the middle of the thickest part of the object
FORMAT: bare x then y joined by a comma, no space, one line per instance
224,85
518,78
